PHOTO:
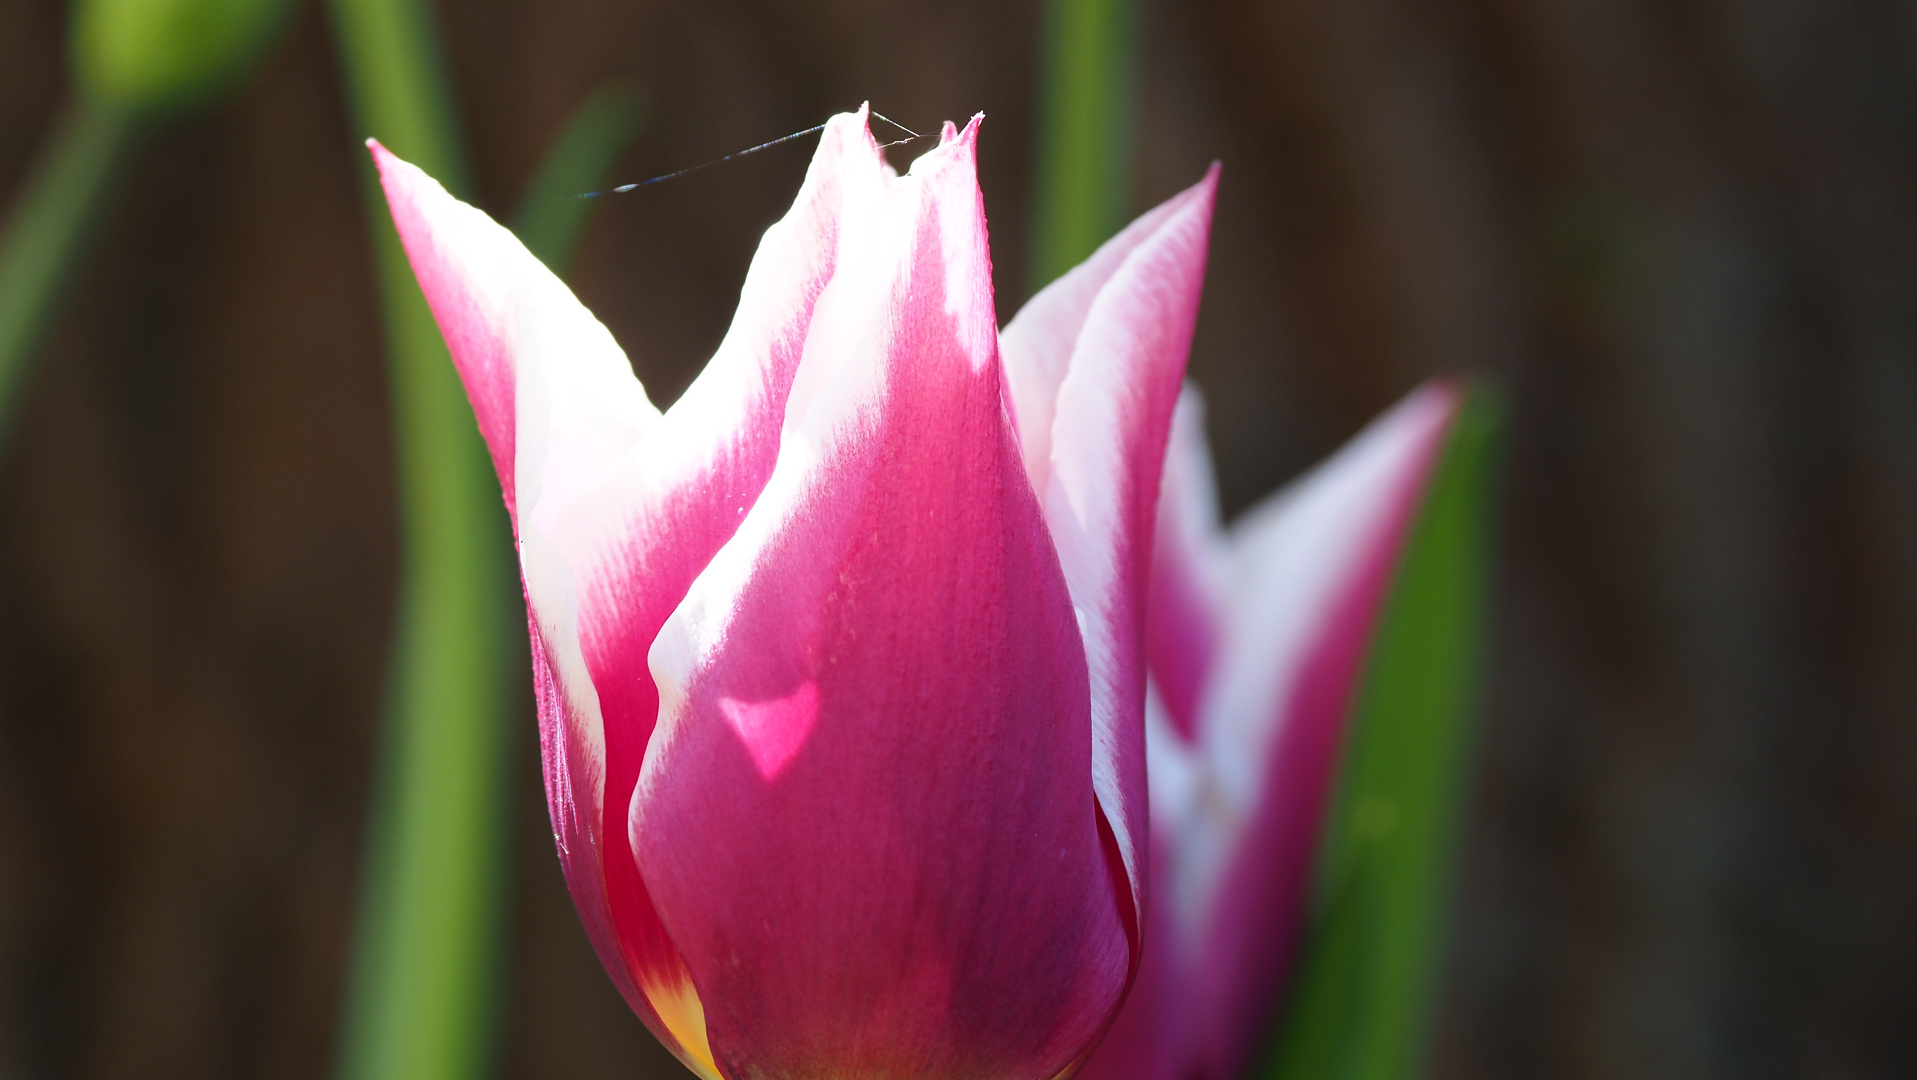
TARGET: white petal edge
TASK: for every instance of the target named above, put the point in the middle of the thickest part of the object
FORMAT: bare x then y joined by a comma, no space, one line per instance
1142,315
1292,557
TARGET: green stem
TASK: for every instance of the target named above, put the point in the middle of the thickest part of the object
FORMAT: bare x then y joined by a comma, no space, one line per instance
1088,87
424,982
50,228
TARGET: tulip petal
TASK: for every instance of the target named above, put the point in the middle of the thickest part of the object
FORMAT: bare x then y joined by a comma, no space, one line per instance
622,508
866,814
1037,344
536,365
1147,1039
1186,598
637,537
516,332
1110,418
1238,814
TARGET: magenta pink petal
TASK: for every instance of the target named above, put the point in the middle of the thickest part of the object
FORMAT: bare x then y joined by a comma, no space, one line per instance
1184,621
638,536
530,354
618,508
438,234
1039,341
867,816
1146,1040
1333,547
1110,421
1239,805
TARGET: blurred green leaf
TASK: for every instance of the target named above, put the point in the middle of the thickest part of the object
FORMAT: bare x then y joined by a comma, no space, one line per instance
1087,86
50,227
161,54
133,59
424,985
1361,1005
396,80
551,214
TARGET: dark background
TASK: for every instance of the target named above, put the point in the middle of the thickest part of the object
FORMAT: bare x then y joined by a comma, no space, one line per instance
1682,236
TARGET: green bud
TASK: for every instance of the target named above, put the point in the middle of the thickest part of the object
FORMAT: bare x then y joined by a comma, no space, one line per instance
151,55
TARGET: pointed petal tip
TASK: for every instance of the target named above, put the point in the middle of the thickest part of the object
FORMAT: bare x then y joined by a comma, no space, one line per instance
956,148
1210,181
861,118
383,159
968,135
387,162
401,179
1446,395
1206,189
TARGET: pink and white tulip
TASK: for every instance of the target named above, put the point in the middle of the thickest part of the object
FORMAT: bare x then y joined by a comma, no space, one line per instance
1257,642
841,659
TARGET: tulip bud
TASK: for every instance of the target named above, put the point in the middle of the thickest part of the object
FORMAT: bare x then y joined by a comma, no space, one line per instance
840,657
151,55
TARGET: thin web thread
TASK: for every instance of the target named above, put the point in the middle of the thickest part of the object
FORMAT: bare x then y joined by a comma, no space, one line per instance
623,188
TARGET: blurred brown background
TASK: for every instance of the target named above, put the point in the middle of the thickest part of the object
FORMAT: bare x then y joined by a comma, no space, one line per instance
1682,235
